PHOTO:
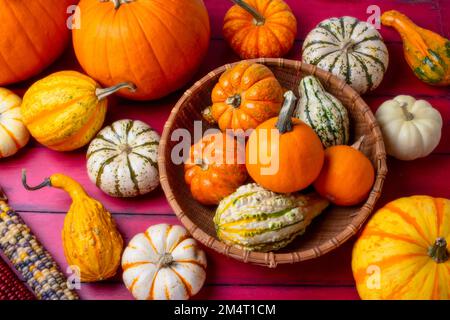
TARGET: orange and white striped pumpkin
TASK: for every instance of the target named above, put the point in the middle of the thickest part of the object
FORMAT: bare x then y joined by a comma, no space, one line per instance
164,263
403,251
13,133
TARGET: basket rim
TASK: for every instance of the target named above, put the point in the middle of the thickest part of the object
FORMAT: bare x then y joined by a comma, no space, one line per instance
272,259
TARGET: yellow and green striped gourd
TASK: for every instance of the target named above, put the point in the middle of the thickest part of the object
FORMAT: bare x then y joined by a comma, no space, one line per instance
257,219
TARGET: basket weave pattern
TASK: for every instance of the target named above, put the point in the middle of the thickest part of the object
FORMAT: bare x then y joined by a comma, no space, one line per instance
327,232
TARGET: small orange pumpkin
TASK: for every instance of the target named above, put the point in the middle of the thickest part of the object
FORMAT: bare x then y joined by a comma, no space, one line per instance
346,177
284,154
260,28
245,96
214,168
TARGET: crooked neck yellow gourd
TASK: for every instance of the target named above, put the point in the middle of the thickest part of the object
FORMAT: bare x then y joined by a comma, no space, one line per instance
90,237
427,53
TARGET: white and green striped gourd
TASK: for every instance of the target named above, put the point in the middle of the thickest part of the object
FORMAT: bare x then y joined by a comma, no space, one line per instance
122,159
256,219
323,112
350,49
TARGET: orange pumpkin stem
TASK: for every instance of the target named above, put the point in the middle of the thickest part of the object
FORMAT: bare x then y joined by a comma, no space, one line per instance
259,18
438,252
103,93
234,101
284,123
117,3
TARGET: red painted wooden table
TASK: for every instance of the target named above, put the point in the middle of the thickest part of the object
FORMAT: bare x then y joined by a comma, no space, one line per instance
328,277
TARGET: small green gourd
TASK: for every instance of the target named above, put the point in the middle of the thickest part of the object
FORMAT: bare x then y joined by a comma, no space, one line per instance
256,219
323,112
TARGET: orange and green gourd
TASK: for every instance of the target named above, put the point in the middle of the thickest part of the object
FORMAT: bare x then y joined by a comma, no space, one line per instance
427,53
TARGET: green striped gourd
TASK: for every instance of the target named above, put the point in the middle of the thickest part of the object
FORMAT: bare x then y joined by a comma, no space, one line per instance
350,49
122,159
323,112
256,219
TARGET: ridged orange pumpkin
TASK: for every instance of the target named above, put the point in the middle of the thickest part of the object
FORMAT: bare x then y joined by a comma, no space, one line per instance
155,44
245,96
65,110
90,238
427,53
215,168
284,154
260,28
403,252
32,35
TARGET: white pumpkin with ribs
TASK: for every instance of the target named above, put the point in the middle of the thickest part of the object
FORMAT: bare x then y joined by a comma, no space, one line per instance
164,263
349,48
13,133
122,159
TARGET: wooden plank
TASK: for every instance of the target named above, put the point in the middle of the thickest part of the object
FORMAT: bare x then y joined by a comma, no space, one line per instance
399,79
310,13
115,291
444,8
53,200
221,270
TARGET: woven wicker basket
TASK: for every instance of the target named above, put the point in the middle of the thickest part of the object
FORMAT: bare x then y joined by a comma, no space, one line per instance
327,232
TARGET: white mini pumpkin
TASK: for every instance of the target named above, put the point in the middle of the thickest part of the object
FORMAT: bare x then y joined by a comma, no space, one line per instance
164,263
411,128
349,48
13,133
122,159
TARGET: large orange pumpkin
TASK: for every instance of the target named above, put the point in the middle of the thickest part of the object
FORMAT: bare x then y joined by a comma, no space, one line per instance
245,96
155,44
215,167
284,154
33,34
403,252
260,28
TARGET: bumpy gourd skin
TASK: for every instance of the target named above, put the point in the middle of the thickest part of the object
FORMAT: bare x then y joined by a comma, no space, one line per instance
90,238
427,53
256,219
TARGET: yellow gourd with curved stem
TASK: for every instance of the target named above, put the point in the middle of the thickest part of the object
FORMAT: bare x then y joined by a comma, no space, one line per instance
427,53
90,237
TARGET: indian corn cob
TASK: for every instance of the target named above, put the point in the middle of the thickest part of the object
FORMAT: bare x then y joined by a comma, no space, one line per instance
11,288
30,258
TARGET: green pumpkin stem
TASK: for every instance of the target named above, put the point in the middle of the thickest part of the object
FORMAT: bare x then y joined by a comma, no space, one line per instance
259,18
438,252
103,93
284,123
45,183
234,101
